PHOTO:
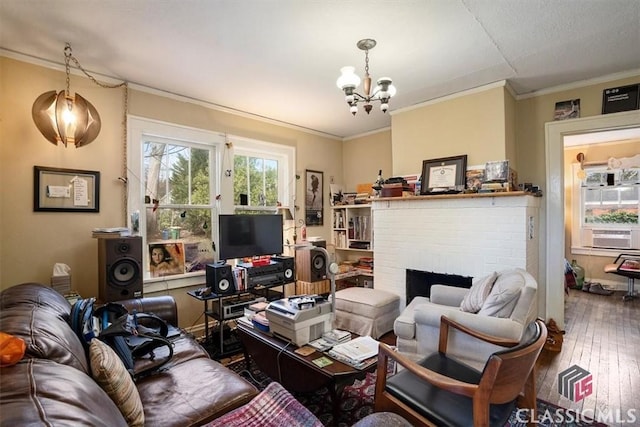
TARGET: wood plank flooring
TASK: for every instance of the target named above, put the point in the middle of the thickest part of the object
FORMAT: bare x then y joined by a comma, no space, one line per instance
602,335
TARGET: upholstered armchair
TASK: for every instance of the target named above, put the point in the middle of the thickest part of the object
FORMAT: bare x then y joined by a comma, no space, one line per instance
500,304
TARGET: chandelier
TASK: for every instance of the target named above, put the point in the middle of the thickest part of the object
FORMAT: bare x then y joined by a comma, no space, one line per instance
349,82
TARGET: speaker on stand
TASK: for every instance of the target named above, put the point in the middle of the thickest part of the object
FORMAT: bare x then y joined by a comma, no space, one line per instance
220,279
119,268
311,265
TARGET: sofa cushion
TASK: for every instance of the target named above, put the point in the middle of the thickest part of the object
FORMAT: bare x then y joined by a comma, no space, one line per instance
26,305
192,393
109,371
504,295
480,289
39,392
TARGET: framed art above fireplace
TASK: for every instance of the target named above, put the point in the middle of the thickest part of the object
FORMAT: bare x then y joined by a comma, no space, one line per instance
445,175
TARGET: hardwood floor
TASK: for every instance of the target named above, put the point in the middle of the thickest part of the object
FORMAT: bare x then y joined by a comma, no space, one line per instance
602,336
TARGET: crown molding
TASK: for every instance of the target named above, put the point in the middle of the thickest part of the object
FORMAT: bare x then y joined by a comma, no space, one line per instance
159,92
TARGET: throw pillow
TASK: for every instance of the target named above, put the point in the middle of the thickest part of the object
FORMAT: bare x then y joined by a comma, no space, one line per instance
503,296
480,289
109,372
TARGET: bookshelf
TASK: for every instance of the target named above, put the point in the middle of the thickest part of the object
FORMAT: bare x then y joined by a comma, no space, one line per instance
352,237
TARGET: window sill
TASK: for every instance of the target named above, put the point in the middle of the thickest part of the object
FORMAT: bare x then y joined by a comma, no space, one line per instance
577,250
160,284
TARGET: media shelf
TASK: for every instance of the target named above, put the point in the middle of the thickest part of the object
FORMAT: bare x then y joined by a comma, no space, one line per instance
230,306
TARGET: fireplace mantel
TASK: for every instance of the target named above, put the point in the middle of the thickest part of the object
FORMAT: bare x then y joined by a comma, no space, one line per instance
466,234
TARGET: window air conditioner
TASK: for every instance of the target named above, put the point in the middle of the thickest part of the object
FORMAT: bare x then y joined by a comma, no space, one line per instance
611,238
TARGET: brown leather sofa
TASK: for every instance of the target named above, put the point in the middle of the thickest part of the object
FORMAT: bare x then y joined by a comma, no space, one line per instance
52,384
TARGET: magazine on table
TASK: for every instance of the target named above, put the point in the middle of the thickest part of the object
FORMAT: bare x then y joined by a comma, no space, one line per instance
357,349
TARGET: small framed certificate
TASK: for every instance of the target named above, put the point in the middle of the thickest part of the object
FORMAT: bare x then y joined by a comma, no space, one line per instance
65,190
444,175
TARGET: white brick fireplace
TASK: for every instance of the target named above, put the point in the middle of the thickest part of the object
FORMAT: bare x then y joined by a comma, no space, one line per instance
469,235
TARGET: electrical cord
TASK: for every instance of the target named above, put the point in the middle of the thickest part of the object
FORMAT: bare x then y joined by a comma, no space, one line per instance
278,362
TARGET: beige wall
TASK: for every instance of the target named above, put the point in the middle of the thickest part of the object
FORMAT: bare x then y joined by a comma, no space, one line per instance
473,124
363,157
593,265
533,113
30,243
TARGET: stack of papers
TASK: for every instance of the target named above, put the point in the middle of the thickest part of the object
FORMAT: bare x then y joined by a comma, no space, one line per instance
110,232
336,336
359,352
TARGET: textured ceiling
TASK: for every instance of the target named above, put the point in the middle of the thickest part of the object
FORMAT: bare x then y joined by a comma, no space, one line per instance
279,59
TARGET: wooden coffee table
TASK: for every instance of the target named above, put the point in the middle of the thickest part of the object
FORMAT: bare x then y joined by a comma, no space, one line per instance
297,373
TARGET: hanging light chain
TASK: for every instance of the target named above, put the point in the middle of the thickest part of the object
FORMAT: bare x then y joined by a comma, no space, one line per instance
125,191
69,55
366,62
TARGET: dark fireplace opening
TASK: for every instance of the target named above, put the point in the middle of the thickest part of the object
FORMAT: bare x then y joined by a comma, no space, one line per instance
418,283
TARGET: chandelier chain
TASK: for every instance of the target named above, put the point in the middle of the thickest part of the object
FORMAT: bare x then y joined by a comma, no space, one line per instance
366,62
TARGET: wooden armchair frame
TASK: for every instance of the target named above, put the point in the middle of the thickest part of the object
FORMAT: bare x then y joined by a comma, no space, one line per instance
508,375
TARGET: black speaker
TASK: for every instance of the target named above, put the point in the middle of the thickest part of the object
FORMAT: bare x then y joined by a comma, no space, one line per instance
311,265
220,279
289,267
119,268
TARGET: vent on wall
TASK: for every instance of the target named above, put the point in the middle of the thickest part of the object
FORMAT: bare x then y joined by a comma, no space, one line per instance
611,239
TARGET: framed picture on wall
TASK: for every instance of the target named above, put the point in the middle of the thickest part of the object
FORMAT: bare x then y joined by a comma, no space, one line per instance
314,203
65,190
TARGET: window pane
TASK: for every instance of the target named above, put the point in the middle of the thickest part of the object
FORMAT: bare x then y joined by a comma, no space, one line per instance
189,226
176,174
258,178
200,194
271,182
256,181
619,205
595,178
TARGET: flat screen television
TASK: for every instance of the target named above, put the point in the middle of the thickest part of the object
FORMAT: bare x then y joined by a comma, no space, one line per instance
249,235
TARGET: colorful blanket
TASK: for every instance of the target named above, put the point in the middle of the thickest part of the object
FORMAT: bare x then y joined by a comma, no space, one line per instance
273,407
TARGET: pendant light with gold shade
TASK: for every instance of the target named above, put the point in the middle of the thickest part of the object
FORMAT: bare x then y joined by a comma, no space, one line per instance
66,117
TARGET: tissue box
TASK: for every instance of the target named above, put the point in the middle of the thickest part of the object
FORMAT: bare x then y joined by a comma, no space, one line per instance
61,284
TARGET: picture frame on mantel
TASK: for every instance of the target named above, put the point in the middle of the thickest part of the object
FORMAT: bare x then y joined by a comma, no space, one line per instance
446,175
65,190
314,198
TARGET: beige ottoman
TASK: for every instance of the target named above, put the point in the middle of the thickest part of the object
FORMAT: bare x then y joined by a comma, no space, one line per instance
366,311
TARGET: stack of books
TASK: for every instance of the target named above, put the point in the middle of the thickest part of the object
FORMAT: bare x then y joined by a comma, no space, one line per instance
110,232
359,352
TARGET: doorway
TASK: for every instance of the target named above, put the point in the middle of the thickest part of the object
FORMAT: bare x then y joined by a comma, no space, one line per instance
552,299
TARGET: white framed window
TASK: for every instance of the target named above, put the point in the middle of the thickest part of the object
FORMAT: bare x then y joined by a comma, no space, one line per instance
172,184
263,175
179,180
605,210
